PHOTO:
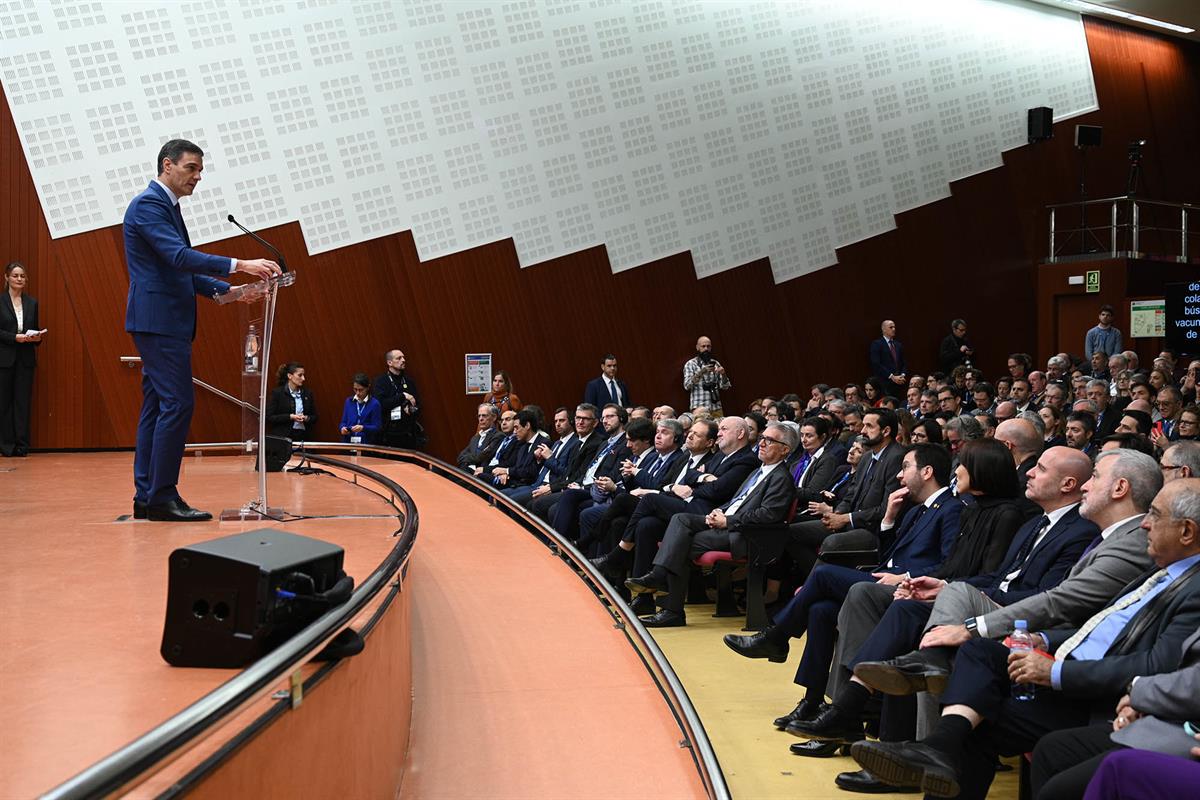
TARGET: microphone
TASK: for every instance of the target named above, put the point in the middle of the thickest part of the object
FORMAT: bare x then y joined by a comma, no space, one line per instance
262,241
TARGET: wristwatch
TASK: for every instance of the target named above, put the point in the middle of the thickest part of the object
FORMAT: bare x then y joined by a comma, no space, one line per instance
972,625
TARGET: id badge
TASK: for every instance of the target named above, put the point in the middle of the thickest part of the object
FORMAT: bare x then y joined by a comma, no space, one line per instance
397,412
355,440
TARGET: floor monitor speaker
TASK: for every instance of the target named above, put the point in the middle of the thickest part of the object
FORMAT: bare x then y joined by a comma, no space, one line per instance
234,599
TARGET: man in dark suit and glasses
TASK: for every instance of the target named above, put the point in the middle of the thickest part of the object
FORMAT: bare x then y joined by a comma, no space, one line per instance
762,500
165,276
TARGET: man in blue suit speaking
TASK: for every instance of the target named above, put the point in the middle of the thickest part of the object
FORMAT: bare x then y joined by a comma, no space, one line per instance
165,275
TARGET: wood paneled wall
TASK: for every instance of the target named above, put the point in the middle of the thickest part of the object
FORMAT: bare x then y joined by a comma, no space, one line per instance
972,255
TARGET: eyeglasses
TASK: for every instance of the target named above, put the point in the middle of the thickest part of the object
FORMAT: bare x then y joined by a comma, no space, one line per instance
584,419
769,439
1169,467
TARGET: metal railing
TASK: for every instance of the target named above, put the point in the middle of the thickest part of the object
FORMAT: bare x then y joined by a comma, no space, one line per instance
132,361
1126,227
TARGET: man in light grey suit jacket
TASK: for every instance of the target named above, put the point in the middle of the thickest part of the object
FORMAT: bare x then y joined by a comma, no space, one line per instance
1064,761
1115,498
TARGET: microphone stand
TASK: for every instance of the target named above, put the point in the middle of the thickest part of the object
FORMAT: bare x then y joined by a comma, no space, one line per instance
259,507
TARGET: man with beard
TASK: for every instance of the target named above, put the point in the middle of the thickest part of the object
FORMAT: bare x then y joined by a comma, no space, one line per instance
704,378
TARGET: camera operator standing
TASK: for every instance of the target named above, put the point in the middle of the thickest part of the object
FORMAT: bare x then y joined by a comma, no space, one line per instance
704,378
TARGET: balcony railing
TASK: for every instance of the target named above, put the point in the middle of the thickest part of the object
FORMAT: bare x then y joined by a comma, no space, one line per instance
1123,227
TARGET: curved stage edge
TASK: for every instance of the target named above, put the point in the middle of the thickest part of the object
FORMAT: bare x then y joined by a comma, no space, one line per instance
497,665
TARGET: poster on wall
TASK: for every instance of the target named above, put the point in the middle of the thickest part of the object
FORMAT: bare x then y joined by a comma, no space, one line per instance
479,372
1147,318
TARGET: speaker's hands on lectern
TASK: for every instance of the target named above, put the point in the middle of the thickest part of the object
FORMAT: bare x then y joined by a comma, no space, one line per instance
258,267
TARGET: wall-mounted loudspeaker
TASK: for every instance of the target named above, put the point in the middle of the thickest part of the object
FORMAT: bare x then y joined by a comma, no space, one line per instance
234,599
1088,135
1041,124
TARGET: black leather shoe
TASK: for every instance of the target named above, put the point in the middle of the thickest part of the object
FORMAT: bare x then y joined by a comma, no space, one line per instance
646,584
907,674
139,509
757,646
909,764
830,725
665,619
175,511
613,566
863,781
643,605
805,709
814,749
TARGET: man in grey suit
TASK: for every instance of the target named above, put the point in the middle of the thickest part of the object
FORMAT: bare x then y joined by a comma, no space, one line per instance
763,499
1115,499
1123,484
1064,761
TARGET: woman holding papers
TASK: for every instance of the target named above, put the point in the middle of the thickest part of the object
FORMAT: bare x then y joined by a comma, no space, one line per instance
19,338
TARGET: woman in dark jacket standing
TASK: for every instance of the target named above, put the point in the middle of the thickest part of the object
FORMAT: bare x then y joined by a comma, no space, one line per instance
291,409
19,338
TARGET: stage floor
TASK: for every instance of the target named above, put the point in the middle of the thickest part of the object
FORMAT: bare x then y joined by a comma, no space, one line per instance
522,686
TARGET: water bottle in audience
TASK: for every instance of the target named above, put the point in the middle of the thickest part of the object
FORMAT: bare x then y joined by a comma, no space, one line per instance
1019,642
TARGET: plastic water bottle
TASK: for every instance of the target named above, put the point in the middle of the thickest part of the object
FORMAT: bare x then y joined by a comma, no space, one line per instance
250,366
1020,642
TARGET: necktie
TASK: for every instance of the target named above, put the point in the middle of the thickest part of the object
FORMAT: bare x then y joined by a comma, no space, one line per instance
182,227
590,476
657,468
500,450
1122,603
747,486
1095,543
863,481
798,473
544,473
895,358
612,391
1027,545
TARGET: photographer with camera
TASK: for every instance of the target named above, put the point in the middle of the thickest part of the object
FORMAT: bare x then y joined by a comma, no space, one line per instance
704,378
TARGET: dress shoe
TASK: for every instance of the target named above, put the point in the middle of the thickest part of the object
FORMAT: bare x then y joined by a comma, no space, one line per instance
863,781
805,709
139,509
757,646
642,605
814,749
646,584
907,674
665,619
831,724
909,764
613,566
175,511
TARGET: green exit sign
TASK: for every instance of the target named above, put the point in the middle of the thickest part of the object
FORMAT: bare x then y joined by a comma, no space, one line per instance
1093,281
